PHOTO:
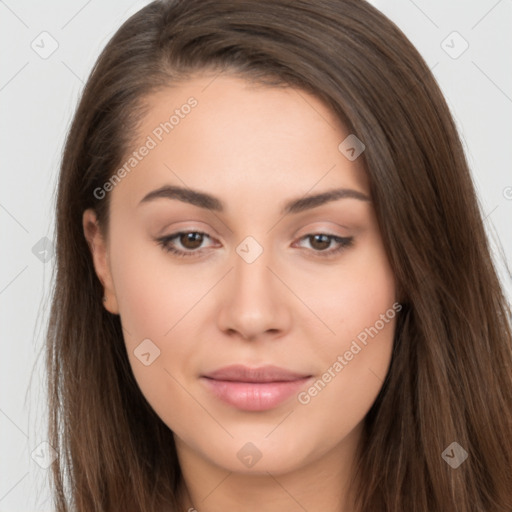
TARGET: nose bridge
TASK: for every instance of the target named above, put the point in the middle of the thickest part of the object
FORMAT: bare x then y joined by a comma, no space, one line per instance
253,304
251,273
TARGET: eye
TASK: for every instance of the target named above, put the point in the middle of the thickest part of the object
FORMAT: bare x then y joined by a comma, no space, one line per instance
190,243
327,245
184,243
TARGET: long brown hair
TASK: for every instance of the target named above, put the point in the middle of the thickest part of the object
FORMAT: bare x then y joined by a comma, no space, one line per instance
450,378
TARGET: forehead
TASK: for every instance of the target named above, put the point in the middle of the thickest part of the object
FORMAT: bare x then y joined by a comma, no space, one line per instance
223,133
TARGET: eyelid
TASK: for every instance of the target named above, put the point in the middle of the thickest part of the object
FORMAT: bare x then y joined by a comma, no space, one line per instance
321,227
165,241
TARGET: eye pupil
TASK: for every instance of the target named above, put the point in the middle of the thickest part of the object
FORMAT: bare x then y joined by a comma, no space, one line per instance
191,240
320,241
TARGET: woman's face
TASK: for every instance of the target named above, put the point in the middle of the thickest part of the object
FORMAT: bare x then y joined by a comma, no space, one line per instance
283,267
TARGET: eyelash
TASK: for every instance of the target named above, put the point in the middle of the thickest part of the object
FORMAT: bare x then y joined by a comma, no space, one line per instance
165,243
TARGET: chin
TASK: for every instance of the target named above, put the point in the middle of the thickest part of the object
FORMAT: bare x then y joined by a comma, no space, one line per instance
256,455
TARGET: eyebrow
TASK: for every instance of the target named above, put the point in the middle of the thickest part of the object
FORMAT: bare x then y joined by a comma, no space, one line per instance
207,201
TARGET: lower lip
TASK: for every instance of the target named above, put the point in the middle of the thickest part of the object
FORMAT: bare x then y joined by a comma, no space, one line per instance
254,396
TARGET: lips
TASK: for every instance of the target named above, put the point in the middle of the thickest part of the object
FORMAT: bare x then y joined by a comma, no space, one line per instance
240,373
254,389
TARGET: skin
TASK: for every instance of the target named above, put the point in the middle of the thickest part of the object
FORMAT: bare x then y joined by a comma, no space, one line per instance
254,148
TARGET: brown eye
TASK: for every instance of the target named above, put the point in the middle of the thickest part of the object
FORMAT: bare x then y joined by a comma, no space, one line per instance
325,245
185,243
320,242
191,240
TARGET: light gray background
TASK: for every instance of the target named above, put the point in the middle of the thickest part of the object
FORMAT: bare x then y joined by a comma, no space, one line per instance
38,96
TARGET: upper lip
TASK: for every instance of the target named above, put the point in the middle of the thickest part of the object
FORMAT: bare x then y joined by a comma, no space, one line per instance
268,373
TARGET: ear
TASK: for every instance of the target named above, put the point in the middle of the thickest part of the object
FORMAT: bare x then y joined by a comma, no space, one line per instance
100,257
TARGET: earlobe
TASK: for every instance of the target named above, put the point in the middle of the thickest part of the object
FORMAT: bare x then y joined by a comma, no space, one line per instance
100,257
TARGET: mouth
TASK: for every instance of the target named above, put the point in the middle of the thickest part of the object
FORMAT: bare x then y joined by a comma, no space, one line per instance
254,389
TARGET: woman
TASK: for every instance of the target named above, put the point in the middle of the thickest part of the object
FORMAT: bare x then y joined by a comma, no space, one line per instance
274,288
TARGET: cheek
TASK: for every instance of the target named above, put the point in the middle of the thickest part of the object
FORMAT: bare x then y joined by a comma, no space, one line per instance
159,305
153,295
351,296
355,365
340,398
357,303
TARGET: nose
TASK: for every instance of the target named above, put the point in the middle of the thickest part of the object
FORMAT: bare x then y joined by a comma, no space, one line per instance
255,303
